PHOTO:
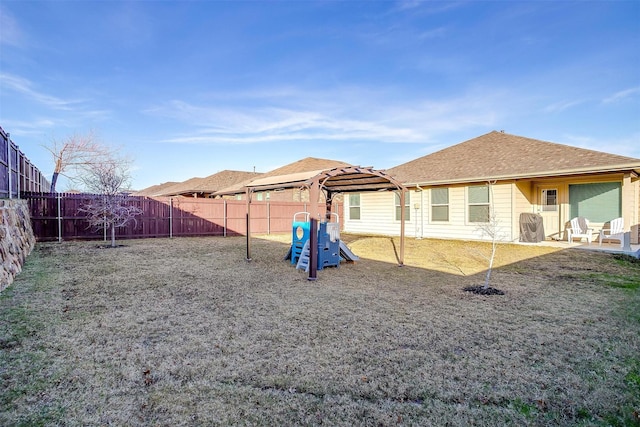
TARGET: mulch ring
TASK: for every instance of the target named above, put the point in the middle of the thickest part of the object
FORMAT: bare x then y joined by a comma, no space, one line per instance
481,290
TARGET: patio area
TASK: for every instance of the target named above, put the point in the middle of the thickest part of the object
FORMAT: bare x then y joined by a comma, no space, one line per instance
632,250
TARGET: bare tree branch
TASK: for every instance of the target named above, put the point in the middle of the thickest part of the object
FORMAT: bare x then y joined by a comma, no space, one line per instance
75,154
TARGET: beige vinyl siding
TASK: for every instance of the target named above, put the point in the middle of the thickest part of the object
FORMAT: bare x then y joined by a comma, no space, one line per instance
523,202
510,199
503,205
459,227
524,197
378,215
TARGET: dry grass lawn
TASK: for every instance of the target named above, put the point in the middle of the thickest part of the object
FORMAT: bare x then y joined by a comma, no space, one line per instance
185,332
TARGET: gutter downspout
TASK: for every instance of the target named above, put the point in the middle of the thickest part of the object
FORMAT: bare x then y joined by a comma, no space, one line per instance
421,210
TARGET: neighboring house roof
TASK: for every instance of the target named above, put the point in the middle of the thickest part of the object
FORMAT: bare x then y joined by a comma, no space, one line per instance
209,184
305,165
299,170
154,190
498,155
180,187
289,178
224,179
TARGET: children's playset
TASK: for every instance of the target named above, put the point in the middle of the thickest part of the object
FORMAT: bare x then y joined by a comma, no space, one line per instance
331,250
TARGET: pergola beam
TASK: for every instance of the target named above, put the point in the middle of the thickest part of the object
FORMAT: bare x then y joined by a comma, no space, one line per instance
349,179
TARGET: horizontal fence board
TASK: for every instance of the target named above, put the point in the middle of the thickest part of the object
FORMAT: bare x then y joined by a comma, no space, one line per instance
57,215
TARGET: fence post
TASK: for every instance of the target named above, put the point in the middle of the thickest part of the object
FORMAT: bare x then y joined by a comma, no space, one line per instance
104,219
224,218
20,172
171,217
268,218
9,163
59,219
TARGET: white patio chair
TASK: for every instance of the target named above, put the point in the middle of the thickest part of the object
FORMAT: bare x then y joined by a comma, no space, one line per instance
613,230
580,228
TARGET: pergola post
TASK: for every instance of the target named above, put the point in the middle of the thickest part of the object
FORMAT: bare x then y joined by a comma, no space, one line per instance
314,197
328,202
248,194
313,249
402,218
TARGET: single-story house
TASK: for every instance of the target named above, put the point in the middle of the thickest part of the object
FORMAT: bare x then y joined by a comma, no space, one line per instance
452,192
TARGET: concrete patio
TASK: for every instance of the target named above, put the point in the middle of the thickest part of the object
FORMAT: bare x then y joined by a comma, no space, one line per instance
633,250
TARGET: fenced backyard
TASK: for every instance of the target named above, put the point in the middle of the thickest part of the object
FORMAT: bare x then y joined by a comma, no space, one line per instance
57,217
186,332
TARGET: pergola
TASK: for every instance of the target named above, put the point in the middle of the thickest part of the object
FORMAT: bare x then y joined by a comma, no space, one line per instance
330,182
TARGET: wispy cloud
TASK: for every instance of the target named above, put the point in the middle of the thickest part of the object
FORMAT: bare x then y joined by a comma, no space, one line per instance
623,94
431,7
10,32
562,106
347,116
26,87
261,125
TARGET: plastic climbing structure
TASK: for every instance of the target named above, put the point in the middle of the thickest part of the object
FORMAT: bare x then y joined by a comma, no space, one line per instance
330,249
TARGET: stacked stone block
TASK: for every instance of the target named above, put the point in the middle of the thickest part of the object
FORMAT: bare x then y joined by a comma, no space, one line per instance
16,238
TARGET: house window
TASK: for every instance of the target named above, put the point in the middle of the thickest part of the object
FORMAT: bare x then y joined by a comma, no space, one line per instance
259,197
407,204
599,202
478,199
354,206
550,200
440,204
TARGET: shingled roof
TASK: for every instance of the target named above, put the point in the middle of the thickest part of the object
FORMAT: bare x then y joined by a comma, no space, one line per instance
305,165
206,185
308,164
155,190
498,155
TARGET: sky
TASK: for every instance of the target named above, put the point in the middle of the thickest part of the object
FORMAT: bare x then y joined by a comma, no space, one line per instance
191,88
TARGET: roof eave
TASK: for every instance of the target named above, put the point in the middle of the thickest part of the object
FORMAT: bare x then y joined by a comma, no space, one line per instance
635,168
275,186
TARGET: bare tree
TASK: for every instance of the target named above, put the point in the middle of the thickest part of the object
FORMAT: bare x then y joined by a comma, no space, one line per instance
492,230
110,205
75,154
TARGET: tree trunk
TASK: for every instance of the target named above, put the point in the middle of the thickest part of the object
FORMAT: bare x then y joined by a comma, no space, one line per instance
54,179
113,235
493,255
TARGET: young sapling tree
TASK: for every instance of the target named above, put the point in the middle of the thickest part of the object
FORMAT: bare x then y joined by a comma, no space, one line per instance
109,207
491,229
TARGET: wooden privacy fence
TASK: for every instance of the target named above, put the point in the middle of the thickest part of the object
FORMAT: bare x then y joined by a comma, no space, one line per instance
56,217
17,173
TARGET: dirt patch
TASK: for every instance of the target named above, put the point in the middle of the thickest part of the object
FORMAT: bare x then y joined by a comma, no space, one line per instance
481,290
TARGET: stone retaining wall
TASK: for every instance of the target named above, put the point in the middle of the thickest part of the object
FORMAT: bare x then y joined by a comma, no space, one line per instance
16,238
